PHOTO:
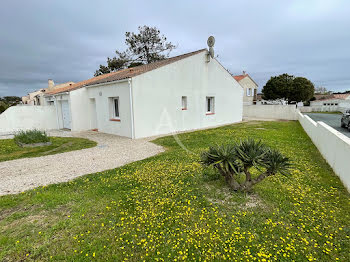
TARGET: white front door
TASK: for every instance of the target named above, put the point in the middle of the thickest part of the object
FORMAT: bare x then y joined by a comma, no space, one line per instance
65,114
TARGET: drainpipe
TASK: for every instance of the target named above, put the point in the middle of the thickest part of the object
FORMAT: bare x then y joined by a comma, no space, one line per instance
131,109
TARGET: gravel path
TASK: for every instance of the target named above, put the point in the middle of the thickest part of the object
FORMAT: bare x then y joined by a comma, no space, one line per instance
111,152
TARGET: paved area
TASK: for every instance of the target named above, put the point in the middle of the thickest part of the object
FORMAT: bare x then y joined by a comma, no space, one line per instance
111,152
332,120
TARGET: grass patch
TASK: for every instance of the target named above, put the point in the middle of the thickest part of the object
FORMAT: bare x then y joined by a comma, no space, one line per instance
168,207
31,137
10,150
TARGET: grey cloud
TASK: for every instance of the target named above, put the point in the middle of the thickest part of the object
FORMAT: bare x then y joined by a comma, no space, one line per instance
67,40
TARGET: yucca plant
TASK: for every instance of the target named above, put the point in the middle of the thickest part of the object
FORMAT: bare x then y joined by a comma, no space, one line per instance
233,160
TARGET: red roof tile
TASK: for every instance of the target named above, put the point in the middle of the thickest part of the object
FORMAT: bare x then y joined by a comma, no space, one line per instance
342,96
239,77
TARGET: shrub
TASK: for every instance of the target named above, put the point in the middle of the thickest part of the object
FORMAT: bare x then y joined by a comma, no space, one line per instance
31,137
233,160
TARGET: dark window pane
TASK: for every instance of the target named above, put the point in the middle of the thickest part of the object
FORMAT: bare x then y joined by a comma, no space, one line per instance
208,100
116,107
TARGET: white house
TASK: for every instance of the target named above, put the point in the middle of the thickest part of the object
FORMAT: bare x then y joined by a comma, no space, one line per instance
250,88
333,102
185,92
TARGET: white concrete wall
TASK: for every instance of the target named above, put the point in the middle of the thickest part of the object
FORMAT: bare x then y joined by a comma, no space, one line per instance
80,110
26,117
333,145
282,112
157,97
102,94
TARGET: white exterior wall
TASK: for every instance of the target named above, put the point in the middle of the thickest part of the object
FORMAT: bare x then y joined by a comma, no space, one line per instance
157,97
104,124
283,112
333,145
17,118
80,111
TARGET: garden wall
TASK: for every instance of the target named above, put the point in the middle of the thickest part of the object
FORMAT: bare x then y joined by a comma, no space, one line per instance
333,145
28,117
281,112
309,109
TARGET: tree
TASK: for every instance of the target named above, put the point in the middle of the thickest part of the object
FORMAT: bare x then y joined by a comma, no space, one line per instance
146,46
3,107
302,90
278,87
7,101
321,90
288,87
234,160
11,100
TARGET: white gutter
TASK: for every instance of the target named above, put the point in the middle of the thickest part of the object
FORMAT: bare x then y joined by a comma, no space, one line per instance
59,94
131,109
106,83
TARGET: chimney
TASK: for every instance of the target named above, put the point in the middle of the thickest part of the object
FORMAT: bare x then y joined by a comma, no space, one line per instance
50,84
244,73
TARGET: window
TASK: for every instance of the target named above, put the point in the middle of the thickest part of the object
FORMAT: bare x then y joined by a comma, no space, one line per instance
114,109
210,105
249,92
184,102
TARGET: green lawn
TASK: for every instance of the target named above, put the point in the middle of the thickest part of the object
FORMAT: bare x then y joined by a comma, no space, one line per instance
9,150
169,208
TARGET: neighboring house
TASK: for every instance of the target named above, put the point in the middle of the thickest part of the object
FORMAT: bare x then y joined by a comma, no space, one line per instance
52,86
185,92
36,98
250,88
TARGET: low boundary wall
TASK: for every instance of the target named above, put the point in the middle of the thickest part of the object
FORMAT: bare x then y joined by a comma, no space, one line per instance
333,145
17,118
281,112
309,109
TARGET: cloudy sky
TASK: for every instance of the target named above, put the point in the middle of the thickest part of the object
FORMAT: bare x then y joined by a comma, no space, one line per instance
67,40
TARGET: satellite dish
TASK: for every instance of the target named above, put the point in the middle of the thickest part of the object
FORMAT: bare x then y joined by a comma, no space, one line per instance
211,41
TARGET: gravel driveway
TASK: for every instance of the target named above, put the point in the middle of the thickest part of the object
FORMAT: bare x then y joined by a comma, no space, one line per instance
333,120
111,152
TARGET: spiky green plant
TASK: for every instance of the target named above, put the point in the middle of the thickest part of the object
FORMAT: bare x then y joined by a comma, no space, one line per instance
231,160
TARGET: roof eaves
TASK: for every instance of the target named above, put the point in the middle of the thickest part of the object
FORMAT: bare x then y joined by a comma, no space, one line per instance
108,82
